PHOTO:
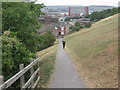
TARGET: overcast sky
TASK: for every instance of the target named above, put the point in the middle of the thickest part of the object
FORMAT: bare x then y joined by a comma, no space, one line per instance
80,2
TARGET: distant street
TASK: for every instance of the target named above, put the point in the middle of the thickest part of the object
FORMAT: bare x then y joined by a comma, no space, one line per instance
65,74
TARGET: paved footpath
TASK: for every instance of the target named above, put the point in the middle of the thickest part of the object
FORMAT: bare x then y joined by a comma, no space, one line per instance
65,74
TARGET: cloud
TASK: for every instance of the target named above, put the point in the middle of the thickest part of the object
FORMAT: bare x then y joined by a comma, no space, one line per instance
79,2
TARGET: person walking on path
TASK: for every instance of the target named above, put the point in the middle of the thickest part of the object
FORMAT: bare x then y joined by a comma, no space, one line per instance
65,74
63,42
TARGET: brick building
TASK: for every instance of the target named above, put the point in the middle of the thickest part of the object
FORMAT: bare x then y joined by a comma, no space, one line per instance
54,24
62,29
48,19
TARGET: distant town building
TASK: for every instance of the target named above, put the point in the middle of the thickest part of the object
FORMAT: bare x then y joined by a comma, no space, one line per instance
64,10
55,19
84,20
47,27
62,29
57,25
81,20
78,11
48,19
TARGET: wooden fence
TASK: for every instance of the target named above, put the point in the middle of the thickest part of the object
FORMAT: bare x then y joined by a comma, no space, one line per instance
31,83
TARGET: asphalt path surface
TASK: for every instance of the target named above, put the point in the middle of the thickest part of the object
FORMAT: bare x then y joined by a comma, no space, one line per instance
65,74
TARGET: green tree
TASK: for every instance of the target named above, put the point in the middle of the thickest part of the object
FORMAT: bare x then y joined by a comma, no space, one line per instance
22,19
95,16
77,24
20,39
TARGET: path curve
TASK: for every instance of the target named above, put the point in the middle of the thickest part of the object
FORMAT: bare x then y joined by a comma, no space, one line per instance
65,74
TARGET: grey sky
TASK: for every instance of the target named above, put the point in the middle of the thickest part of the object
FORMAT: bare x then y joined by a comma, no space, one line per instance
80,2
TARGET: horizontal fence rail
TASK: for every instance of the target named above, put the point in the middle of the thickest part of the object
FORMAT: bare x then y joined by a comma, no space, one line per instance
20,75
31,78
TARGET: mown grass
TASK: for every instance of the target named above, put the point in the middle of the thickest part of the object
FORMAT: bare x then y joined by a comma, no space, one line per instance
94,52
48,57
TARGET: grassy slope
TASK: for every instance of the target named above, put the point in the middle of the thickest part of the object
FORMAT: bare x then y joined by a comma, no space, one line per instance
94,52
47,66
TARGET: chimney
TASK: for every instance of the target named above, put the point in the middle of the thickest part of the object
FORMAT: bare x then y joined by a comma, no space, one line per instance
86,10
69,11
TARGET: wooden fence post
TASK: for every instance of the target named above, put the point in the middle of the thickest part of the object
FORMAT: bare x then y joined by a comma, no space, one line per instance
1,80
22,78
38,64
31,73
38,67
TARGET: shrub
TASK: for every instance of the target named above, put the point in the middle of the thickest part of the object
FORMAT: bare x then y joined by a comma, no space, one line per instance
77,24
81,26
72,27
13,54
45,40
76,28
88,25
95,20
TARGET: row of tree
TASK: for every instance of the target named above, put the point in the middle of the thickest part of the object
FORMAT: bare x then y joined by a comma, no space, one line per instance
20,37
96,16
79,26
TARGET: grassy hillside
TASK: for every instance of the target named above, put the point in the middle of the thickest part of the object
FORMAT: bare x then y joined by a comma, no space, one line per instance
48,57
94,52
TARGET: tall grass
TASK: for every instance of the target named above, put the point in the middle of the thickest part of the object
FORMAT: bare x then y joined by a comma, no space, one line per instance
48,57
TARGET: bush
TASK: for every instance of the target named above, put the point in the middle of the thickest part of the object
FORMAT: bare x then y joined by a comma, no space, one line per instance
77,24
95,20
45,40
88,25
13,54
76,28
81,26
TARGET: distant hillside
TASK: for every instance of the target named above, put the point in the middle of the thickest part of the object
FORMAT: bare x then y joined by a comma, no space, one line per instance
95,54
99,7
91,8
